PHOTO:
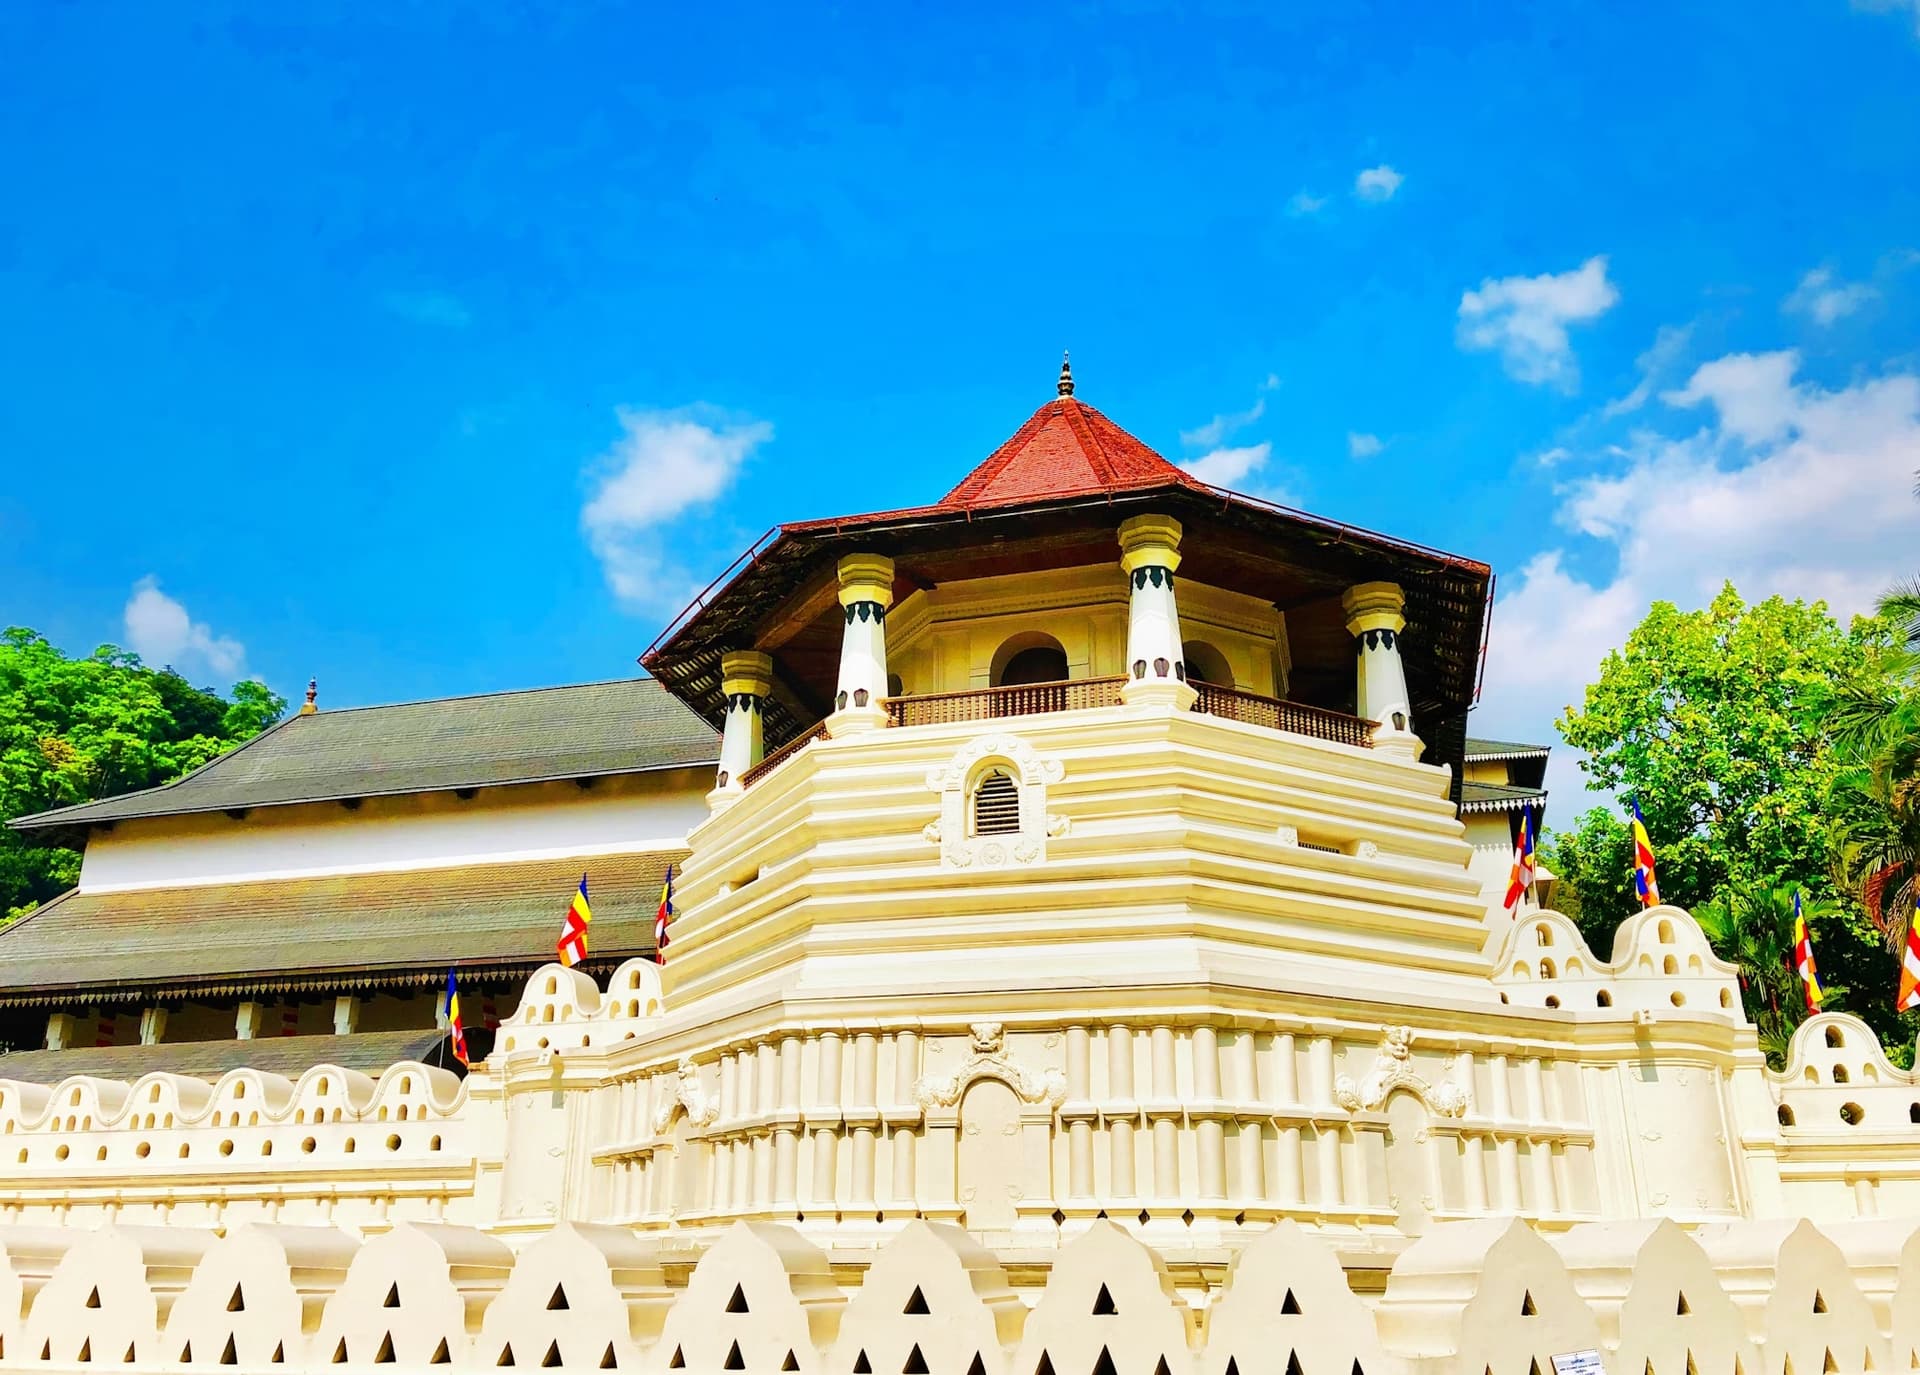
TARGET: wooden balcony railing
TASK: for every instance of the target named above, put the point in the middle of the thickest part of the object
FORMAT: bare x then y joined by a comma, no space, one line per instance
782,755
1035,699
1295,717
987,704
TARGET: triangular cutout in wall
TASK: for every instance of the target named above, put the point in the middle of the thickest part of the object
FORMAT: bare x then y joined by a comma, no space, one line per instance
679,1361
340,1352
86,1349
1103,1306
393,1297
506,1355
238,1303
558,1302
384,1356
738,1303
1290,1304
552,1358
734,1360
916,1363
608,1362
1819,1303
229,1356
441,1356
186,1354
93,1298
916,1303
1527,1310
792,1362
279,1356
1104,1365
1293,1363
861,1365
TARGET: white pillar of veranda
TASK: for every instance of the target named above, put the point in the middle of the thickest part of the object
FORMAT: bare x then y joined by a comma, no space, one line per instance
746,678
1376,620
866,591
1149,554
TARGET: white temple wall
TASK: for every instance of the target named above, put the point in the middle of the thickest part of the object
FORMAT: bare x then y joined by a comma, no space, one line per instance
639,812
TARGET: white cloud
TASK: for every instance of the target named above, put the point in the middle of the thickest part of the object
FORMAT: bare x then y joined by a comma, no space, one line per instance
1668,345
1229,467
1363,445
161,632
1272,382
1526,319
1824,297
1753,393
1377,184
1788,488
1218,428
666,463
1306,203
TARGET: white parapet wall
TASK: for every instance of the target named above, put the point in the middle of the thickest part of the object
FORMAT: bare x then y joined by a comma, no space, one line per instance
1468,1297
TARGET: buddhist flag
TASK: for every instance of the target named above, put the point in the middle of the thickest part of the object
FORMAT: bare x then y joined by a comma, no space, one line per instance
1803,958
1910,972
573,931
1521,879
456,1033
1643,880
661,918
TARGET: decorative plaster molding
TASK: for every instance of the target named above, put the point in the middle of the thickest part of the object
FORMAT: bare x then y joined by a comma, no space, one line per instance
988,1060
1393,1069
687,1093
1031,772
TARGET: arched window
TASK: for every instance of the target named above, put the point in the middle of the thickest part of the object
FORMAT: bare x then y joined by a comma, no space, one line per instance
1029,658
1206,663
996,805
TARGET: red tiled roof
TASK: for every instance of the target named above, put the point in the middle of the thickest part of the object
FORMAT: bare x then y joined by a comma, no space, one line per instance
1066,449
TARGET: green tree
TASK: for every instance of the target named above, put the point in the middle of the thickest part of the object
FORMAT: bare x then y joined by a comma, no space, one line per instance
1719,723
1753,928
1703,719
76,729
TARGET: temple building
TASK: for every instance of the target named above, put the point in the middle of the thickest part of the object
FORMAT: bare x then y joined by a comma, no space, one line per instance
1089,958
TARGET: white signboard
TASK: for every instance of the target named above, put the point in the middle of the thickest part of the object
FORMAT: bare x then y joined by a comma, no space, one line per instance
1578,1363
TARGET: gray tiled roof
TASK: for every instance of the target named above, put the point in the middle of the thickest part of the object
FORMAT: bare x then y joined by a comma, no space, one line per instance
587,730
341,931
1504,749
289,1056
1497,797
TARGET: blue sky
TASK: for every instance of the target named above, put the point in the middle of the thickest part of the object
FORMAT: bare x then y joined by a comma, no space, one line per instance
446,349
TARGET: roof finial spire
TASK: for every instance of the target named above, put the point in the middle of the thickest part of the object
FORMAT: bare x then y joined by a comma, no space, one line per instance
313,694
1066,374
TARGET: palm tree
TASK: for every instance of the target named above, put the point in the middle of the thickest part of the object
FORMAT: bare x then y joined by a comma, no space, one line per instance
1753,929
1873,727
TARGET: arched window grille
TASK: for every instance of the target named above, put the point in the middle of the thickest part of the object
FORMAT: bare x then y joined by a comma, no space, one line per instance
996,805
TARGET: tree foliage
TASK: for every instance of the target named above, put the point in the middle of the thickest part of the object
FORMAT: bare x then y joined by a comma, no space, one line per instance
1713,721
76,729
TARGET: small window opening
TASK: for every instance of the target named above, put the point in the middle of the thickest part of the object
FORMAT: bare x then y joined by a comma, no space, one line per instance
996,805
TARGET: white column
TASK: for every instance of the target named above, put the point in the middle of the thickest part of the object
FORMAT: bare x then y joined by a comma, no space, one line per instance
346,1016
246,1021
153,1025
866,591
1149,554
746,677
1375,620
60,1031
